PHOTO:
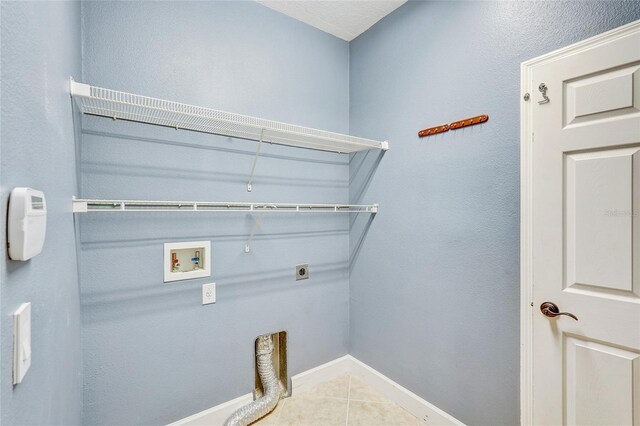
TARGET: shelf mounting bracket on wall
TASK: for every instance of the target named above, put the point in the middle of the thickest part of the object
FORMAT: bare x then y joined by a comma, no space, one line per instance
255,160
256,225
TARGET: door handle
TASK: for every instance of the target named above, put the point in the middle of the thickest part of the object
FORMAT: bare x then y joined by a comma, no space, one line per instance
551,310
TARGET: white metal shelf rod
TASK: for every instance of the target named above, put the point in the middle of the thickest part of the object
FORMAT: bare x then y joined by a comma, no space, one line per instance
293,140
97,205
319,142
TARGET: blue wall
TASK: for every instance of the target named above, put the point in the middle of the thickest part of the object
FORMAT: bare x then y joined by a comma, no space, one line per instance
443,247
40,50
435,285
152,352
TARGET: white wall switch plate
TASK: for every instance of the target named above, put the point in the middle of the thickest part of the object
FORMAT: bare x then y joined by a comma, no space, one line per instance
21,342
208,293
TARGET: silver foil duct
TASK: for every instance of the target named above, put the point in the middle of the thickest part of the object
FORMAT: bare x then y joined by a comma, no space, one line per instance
248,414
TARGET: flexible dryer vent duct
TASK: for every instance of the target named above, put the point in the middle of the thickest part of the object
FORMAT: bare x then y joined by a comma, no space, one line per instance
262,406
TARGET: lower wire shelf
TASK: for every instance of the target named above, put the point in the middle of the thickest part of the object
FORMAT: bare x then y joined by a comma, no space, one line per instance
81,205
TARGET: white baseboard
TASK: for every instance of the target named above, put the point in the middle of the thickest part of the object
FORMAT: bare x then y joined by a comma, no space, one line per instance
423,410
322,373
215,415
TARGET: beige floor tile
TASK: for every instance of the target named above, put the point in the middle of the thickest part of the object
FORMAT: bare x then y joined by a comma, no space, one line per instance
379,414
361,392
336,388
326,404
306,411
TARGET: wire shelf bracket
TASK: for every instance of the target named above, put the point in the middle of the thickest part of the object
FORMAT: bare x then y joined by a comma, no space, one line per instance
113,104
255,160
256,225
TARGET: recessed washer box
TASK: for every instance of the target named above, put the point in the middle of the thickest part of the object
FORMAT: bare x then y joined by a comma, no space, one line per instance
187,260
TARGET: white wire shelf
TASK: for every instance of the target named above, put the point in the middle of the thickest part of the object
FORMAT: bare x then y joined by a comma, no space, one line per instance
127,106
88,205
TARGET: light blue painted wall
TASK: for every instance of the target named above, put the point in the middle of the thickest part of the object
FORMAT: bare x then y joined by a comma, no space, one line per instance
444,245
40,50
152,352
435,285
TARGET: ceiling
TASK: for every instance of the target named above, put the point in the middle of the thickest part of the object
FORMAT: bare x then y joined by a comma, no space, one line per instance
342,18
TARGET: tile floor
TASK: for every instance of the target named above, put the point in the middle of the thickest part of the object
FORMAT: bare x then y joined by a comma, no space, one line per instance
344,400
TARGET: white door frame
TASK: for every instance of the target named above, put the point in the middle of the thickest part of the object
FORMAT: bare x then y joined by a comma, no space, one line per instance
527,310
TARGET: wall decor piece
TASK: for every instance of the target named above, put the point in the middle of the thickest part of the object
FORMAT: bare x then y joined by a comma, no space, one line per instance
453,126
433,130
469,122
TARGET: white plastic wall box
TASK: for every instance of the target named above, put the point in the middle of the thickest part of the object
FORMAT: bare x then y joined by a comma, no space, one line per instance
26,223
185,252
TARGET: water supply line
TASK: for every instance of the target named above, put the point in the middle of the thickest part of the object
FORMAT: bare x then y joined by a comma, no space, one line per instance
248,414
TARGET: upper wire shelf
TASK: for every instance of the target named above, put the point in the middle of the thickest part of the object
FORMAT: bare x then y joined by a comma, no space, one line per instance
127,106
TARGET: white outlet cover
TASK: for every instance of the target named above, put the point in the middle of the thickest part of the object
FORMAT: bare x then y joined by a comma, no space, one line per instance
208,293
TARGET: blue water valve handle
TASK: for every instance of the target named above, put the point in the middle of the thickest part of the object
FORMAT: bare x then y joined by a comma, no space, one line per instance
195,259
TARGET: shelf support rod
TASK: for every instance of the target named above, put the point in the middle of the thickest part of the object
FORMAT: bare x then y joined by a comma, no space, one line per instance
256,225
255,160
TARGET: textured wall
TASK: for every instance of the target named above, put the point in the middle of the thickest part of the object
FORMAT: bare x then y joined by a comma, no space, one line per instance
152,352
435,285
40,50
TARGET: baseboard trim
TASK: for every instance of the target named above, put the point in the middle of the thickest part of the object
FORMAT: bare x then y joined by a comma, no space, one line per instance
321,373
424,410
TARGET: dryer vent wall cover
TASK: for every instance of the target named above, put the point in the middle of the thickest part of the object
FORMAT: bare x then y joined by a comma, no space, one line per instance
279,365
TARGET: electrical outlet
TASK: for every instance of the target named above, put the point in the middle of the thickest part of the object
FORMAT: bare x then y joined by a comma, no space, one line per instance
208,293
302,272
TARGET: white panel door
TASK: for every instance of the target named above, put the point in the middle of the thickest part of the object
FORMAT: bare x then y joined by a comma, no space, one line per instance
586,235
